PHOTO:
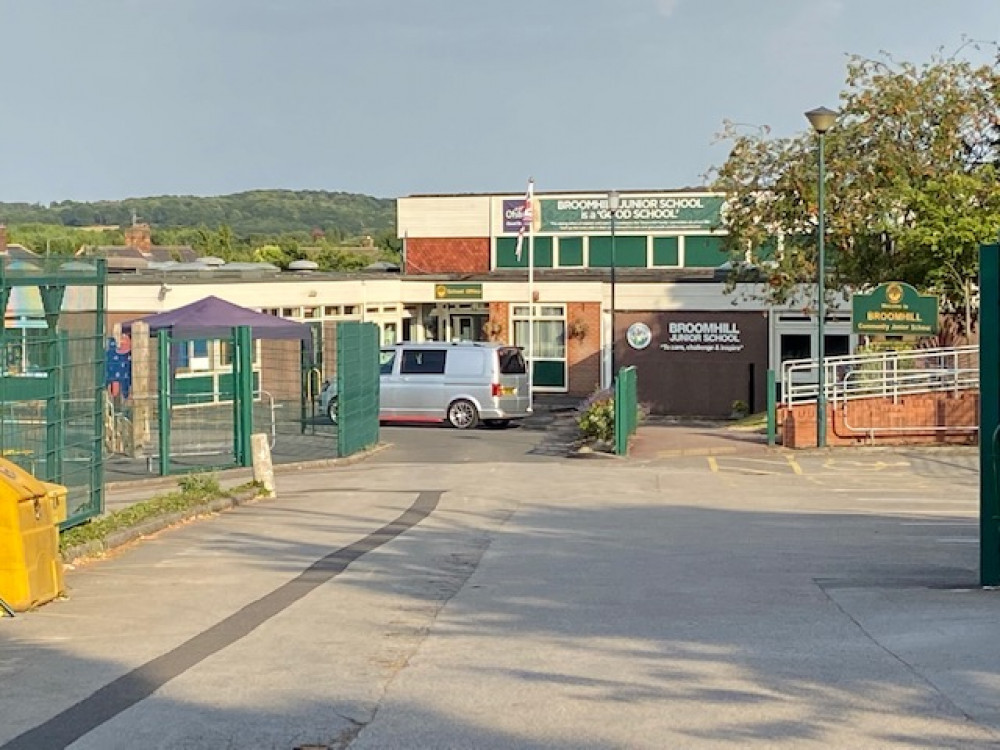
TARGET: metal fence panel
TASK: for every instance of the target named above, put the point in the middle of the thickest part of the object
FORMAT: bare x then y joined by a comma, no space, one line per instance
357,386
52,400
626,408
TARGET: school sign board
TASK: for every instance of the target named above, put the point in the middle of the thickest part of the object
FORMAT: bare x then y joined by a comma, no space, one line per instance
895,309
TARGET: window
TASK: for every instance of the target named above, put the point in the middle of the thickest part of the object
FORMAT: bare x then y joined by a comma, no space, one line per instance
422,362
836,346
511,362
549,339
796,346
385,361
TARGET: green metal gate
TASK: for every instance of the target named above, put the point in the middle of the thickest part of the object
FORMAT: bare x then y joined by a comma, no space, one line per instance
52,395
357,386
626,408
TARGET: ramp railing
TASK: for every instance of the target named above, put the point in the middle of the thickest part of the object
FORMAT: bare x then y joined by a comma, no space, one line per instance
887,375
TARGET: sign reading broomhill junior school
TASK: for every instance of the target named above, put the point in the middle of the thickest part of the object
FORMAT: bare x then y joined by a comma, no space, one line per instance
635,213
895,309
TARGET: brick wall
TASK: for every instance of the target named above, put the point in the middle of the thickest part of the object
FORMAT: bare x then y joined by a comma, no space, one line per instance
499,316
447,255
583,350
921,415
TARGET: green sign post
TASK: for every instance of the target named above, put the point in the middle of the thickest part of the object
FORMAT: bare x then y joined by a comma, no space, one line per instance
895,309
989,416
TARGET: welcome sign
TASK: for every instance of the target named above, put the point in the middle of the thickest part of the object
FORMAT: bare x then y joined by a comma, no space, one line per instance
895,309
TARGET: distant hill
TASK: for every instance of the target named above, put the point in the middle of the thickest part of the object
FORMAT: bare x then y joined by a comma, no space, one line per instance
252,212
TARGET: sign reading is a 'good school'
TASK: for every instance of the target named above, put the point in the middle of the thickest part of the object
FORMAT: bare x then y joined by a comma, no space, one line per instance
895,309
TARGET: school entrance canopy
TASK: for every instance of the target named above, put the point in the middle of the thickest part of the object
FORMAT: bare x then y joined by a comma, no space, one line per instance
214,318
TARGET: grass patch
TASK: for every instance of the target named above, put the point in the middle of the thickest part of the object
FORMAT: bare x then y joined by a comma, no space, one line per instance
751,422
194,491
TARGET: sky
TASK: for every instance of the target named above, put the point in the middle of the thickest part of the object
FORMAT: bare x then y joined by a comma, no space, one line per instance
111,99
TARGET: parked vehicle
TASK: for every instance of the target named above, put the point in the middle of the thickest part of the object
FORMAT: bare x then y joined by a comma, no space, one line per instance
463,383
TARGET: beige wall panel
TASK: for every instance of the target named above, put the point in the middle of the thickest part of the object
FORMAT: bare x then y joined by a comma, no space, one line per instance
443,216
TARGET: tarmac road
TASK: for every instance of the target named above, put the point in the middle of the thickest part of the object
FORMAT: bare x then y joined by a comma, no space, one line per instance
754,599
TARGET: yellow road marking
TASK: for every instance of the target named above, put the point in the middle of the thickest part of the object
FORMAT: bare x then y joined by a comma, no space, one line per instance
675,452
794,464
713,464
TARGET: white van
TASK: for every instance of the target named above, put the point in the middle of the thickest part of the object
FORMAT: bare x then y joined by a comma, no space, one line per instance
463,383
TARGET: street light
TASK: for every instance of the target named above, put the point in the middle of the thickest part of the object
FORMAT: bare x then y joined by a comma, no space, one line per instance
614,201
822,120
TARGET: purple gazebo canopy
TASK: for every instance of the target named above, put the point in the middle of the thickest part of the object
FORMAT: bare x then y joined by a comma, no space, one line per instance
214,318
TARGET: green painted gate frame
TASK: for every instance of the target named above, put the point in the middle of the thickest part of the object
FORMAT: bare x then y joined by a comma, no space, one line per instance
989,415
626,408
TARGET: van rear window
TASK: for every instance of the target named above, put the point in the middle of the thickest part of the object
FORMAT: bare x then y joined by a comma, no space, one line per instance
511,361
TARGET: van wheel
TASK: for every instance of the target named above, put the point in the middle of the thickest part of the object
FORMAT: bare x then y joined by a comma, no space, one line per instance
462,415
331,410
497,424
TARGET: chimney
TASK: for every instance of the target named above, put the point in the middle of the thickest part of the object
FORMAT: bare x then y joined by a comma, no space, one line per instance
138,236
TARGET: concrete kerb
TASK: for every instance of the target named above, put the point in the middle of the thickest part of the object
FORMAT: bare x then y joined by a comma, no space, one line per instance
157,486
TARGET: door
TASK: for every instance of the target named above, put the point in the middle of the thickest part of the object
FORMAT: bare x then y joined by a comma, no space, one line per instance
467,327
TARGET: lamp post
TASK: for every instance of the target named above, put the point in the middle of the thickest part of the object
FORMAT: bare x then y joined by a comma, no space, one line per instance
822,120
614,201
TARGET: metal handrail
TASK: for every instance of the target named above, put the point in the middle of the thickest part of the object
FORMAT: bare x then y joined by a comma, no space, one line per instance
887,374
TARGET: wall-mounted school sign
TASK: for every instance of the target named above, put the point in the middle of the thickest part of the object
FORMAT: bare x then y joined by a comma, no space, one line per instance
895,309
636,212
703,336
458,291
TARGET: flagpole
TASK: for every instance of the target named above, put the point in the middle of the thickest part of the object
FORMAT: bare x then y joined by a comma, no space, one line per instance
531,299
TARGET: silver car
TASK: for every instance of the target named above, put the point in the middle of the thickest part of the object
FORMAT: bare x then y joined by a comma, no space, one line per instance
463,383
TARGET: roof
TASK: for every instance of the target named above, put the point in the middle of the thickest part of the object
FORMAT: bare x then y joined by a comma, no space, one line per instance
15,250
214,318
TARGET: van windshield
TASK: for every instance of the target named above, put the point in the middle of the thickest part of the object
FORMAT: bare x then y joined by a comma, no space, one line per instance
511,361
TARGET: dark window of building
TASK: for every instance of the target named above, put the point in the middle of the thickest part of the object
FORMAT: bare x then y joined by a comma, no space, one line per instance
837,346
795,346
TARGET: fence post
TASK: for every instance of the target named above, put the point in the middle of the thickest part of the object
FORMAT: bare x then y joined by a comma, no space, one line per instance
243,394
989,415
163,398
772,409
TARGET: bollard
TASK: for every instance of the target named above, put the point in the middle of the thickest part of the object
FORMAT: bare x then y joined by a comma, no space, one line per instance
263,469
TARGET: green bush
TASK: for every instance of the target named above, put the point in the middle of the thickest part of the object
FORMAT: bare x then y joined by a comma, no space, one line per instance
206,485
598,420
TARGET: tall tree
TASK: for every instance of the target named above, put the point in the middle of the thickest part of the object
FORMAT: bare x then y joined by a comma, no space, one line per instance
912,188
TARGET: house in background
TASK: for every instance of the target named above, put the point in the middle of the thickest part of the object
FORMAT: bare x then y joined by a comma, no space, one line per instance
139,251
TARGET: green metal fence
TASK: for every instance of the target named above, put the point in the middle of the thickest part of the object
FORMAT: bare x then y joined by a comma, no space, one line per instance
357,386
52,397
626,408
196,402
